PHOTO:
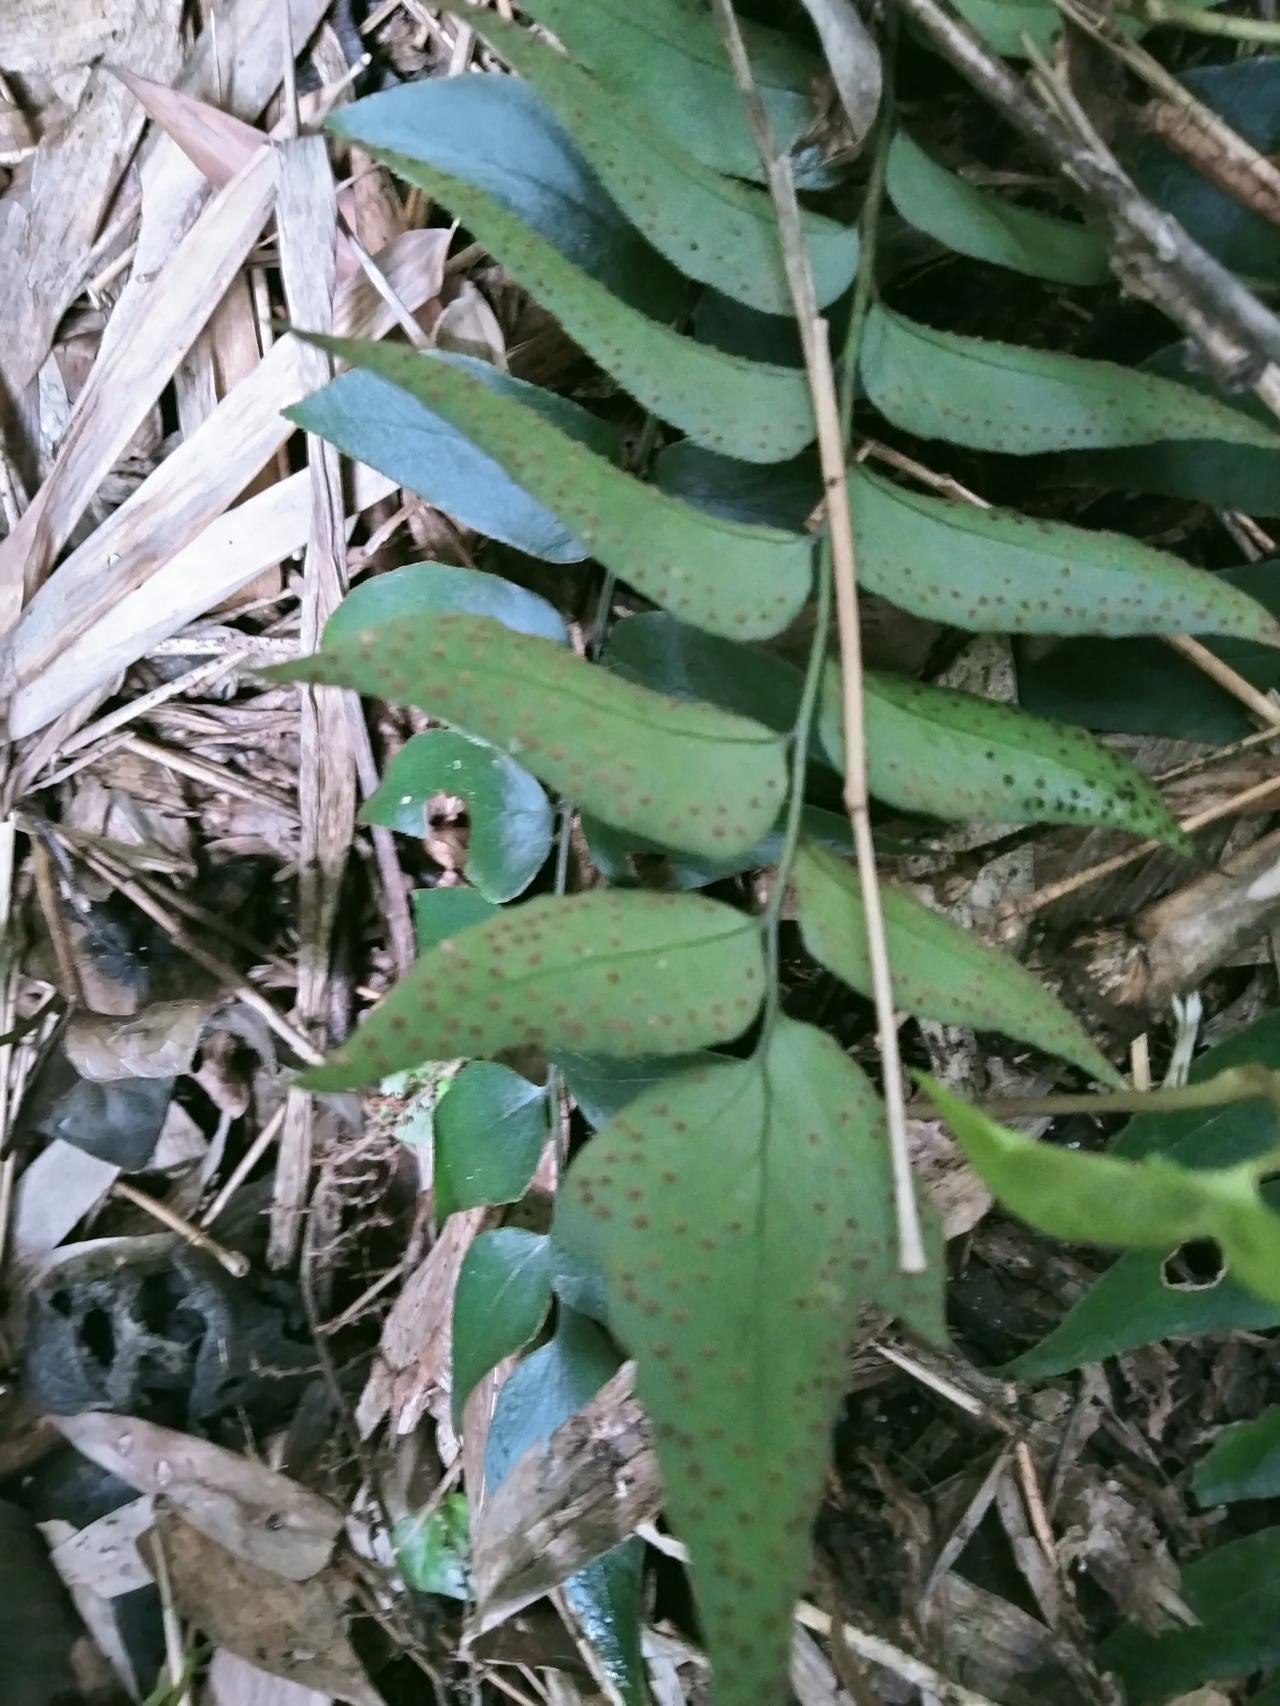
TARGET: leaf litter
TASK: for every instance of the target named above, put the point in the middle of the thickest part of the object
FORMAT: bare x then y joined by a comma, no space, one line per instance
238,1303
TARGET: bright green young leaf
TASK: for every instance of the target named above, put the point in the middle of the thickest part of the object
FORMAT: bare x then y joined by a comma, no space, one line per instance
691,776
1242,1463
510,816
496,134
548,1387
667,58
490,1128
501,1301
624,974
441,913
1234,1591
952,755
717,230
377,423
742,1213
1131,1304
938,968
979,223
441,589
748,409
1102,1199
727,578
433,1549
997,396
993,569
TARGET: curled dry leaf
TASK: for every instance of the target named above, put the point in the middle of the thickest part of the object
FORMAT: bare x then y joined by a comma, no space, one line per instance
159,1042
854,60
264,1519
232,1681
296,1630
568,1501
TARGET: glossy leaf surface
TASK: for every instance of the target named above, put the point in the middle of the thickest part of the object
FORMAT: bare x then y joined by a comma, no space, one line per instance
548,1387
510,818
1242,1463
501,1301
490,1128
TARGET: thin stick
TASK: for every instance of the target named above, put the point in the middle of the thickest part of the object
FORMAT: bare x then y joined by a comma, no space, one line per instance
175,1660
247,1162
235,1264
831,448
873,1650
1260,704
226,974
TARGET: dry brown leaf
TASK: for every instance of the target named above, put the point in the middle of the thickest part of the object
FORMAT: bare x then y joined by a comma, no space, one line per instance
412,1372
297,1630
234,1682
566,1501
49,222
158,1042
469,326
101,610
103,1556
128,378
60,1187
263,1518
219,143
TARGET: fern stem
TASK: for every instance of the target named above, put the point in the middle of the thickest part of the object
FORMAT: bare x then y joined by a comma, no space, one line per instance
831,449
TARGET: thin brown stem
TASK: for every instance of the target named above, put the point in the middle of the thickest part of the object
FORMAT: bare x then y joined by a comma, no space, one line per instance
831,449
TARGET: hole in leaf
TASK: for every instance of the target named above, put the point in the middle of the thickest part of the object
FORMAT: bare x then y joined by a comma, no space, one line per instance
1197,1265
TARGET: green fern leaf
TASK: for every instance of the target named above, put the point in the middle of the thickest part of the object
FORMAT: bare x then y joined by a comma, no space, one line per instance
717,230
994,570
938,969
719,575
757,411
975,222
994,396
606,973
688,775
952,755
666,57
742,1214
